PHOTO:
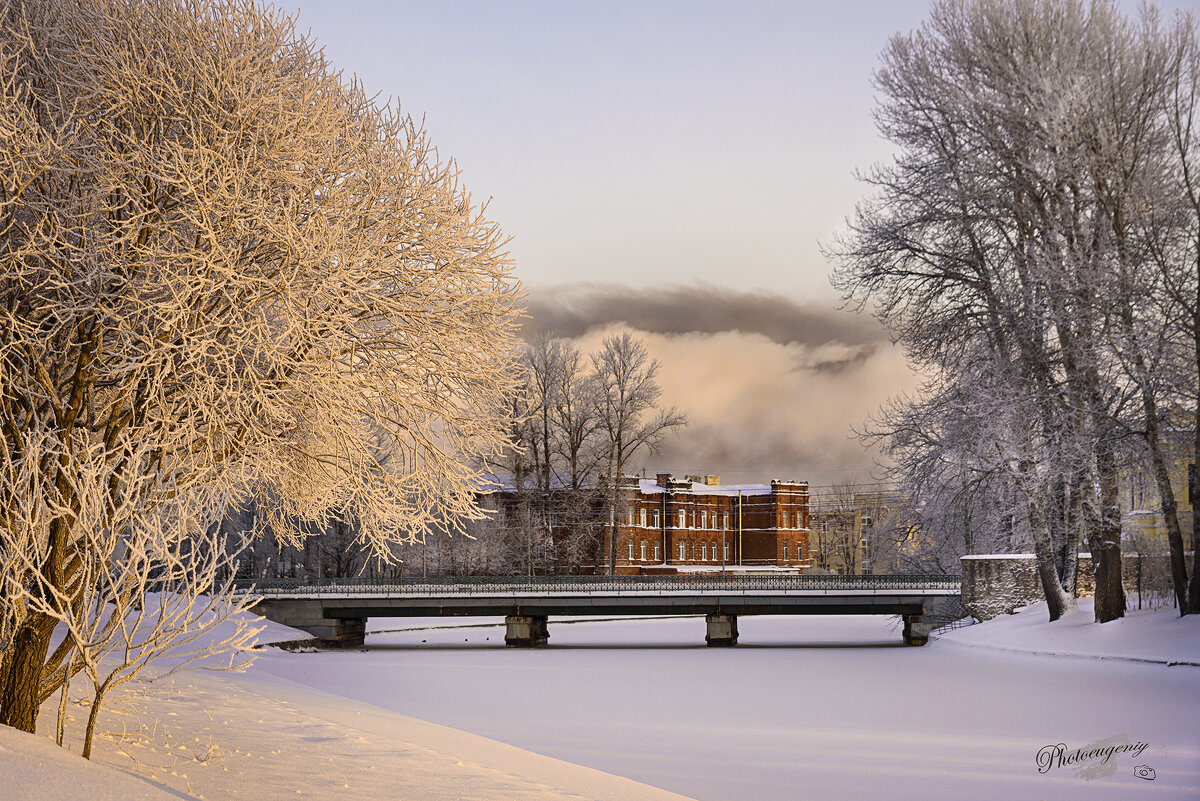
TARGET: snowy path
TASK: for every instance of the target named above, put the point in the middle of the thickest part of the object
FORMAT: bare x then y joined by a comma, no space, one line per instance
820,708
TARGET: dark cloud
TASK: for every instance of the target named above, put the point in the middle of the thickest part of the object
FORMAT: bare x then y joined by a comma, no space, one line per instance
859,357
571,311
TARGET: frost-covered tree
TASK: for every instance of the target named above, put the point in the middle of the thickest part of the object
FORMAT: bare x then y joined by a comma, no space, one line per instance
576,418
1006,244
1175,250
543,362
224,272
627,407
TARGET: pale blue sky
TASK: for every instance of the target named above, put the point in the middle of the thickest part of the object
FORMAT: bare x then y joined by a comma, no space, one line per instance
639,142
651,142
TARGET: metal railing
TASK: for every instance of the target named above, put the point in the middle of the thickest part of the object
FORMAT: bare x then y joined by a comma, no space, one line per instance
960,623
683,583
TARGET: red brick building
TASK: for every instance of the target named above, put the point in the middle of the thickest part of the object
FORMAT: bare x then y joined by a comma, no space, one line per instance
697,524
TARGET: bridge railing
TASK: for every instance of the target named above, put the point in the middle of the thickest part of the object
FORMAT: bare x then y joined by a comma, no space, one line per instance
684,582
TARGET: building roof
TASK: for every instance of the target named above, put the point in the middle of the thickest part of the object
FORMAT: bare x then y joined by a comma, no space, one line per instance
496,482
649,486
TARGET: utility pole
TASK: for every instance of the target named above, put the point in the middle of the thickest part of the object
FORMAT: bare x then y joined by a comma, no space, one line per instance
740,563
724,534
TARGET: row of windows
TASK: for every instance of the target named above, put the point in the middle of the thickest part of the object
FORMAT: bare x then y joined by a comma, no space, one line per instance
690,550
704,552
642,551
705,520
701,552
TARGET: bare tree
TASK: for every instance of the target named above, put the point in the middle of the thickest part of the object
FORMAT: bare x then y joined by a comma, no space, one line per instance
627,391
1005,243
1175,249
576,417
214,247
835,545
543,362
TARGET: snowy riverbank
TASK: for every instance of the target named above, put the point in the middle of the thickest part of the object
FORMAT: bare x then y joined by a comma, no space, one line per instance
1145,635
262,737
818,707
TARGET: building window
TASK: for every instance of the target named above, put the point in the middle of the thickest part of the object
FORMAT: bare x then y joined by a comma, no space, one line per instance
656,557
785,550
682,519
656,519
704,520
642,517
643,556
725,551
726,521
629,516
704,552
714,550
631,550
682,555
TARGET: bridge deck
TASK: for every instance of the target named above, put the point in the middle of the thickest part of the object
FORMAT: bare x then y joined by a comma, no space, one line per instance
353,601
570,585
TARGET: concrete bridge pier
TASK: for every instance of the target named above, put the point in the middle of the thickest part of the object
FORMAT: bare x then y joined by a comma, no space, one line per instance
722,630
309,616
916,631
525,631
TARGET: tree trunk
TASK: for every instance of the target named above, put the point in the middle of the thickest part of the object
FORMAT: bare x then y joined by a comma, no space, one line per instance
1166,495
1106,552
94,714
27,655
617,464
65,691
1057,600
1070,574
1193,605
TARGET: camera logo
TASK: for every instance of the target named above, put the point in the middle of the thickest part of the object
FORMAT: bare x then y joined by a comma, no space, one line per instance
1144,772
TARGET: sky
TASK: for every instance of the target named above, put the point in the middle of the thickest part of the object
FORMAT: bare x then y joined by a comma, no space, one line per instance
672,166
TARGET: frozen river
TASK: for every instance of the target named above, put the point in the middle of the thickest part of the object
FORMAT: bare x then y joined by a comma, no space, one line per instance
803,708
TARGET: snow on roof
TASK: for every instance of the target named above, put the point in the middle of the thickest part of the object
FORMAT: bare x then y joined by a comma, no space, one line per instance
998,556
496,482
493,482
649,486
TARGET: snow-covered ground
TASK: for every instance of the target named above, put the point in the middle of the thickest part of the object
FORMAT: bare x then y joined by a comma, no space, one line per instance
259,736
805,707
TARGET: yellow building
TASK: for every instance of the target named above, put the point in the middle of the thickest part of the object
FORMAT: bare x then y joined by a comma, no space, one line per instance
1142,525
834,544
856,531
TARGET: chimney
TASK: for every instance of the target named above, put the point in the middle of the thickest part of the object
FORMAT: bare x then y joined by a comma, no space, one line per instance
712,481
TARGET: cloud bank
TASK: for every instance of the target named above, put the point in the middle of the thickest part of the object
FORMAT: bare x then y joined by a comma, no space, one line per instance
571,311
772,388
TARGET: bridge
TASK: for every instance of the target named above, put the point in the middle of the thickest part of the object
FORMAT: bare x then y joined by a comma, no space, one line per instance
335,611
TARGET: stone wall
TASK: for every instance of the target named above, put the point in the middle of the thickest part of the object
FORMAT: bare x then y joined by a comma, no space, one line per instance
997,584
